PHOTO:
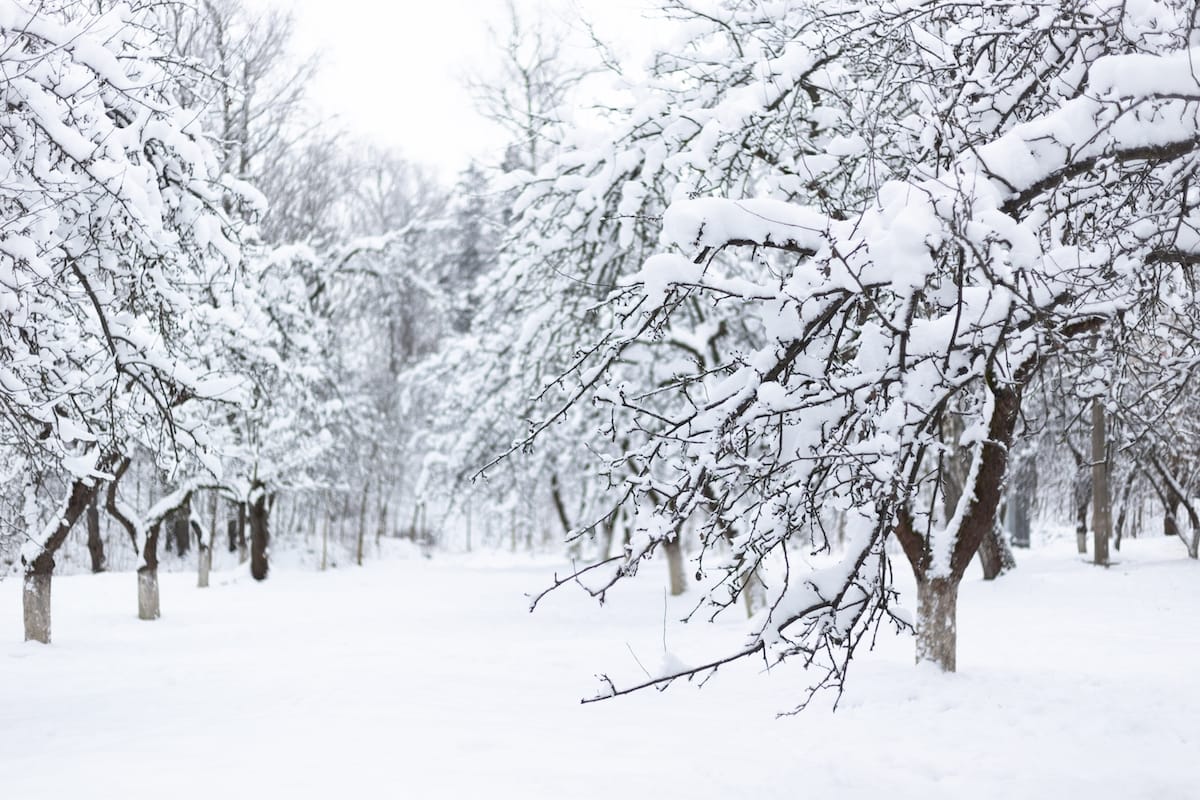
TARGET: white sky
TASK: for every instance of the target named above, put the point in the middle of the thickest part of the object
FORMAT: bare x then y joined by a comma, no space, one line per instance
392,71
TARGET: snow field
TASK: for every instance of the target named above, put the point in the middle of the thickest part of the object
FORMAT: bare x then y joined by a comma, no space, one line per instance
428,679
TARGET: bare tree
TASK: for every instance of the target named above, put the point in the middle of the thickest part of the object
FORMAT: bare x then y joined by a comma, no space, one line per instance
524,91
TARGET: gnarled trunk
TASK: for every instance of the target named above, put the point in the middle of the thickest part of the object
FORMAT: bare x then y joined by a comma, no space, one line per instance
35,598
937,587
35,595
937,631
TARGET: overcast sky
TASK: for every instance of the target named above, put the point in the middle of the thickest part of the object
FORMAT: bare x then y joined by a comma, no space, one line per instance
393,70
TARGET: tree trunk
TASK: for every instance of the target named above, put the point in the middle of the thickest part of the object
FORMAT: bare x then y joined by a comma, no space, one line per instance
147,575
607,529
259,534
381,529
362,526
205,553
214,505
148,593
937,631
937,594
1101,503
1170,520
995,556
1173,496
1083,498
95,543
35,598
1122,512
325,540
35,595
1020,501
575,545
675,565
752,592
241,533
181,529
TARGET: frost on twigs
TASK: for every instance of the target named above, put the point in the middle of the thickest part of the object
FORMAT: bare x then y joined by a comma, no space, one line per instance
877,229
118,259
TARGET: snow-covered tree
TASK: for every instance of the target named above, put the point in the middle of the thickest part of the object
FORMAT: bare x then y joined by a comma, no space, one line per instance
117,258
920,211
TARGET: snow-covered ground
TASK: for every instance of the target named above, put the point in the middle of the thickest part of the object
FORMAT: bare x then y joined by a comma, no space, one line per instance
423,678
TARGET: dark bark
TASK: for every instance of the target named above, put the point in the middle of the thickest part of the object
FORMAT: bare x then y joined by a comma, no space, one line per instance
95,542
1122,512
938,594
35,596
203,554
995,557
1174,496
259,534
148,606
994,554
1171,518
78,500
980,519
560,508
181,530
